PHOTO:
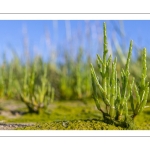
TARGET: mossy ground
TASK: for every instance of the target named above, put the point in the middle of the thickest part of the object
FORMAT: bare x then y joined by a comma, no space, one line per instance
65,115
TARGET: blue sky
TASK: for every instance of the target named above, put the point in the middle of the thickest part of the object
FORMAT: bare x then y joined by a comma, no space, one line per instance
47,37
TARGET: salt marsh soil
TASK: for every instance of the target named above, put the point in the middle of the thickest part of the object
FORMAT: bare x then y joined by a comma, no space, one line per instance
61,115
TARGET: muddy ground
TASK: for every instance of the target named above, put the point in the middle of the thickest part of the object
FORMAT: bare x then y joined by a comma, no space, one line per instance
13,126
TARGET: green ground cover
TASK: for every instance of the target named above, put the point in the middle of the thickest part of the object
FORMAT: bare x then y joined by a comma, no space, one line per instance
65,115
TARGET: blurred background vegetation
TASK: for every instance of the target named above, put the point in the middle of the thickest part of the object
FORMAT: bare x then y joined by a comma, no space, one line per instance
67,62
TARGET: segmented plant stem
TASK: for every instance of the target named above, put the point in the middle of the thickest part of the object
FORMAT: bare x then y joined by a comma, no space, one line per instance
113,89
105,50
144,69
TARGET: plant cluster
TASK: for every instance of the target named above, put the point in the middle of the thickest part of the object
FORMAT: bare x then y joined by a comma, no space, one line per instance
75,79
36,94
115,93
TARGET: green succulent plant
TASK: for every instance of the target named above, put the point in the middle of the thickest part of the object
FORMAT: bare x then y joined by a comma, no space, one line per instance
36,96
116,93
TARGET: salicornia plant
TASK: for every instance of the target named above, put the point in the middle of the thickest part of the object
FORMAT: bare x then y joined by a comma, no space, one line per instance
115,92
36,94
75,81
